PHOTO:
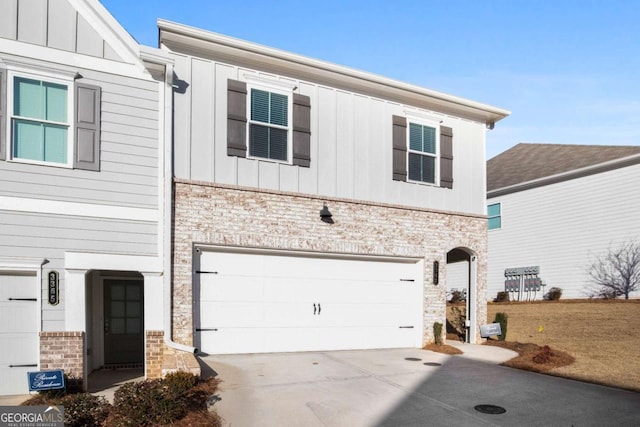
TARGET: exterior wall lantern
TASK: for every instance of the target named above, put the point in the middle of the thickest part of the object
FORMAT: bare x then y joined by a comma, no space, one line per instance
325,215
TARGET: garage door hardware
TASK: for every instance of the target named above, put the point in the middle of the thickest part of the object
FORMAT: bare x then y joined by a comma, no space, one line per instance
206,329
23,299
407,280
319,309
405,327
33,365
206,272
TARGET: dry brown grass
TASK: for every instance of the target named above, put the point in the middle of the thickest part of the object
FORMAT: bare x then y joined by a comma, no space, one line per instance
602,336
442,348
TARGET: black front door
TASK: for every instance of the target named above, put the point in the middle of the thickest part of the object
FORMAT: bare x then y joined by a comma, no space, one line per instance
123,322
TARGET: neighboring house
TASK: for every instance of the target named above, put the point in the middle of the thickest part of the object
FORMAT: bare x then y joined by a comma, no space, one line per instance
82,193
315,205
556,207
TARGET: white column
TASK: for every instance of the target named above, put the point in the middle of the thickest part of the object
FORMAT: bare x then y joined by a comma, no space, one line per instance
153,301
75,301
472,299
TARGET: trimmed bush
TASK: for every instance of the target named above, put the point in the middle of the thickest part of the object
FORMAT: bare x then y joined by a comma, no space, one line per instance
84,410
502,297
502,319
553,294
437,332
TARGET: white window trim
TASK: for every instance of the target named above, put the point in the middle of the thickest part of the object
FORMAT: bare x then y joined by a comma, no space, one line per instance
49,77
282,91
428,122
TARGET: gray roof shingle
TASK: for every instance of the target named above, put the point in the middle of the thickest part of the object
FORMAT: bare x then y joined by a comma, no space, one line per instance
525,162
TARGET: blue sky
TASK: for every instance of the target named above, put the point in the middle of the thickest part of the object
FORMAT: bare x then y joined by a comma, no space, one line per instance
568,70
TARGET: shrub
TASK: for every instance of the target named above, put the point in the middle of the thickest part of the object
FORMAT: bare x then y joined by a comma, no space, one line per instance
502,319
502,297
458,296
84,409
437,332
553,294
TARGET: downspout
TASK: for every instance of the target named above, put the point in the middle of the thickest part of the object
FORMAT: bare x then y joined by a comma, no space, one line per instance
167,120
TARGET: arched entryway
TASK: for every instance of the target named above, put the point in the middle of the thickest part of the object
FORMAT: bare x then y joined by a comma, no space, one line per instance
461,292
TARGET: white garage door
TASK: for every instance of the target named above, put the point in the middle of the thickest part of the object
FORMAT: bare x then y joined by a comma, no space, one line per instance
253,303
18,331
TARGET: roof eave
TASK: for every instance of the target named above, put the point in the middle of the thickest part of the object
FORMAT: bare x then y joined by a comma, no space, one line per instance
566,176
193,40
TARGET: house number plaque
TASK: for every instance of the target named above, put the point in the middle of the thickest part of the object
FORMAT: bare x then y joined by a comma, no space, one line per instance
54,288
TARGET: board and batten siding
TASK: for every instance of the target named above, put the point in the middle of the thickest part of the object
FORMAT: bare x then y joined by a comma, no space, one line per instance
351,144
55,24
561,227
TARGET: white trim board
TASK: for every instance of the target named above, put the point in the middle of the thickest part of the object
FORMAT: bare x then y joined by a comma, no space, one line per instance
55,207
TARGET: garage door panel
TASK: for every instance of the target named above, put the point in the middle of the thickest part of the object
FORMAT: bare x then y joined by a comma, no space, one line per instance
231,288
18,331
298,303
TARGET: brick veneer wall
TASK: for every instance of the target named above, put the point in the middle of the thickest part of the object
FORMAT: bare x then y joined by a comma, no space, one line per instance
245,217
63,350
154,354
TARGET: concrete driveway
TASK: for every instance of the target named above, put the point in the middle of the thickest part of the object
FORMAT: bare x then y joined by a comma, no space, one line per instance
406,387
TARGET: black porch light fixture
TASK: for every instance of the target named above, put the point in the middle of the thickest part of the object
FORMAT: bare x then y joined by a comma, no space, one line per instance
325,215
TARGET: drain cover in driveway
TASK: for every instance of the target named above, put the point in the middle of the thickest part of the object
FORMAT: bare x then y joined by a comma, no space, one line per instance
490,409
432,364
412,359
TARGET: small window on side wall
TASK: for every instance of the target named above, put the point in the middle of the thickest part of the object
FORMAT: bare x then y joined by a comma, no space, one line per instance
495,216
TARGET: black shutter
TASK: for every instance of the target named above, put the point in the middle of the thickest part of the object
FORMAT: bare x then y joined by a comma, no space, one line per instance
301,130
399,148
236,118
3,114
446,157
86,153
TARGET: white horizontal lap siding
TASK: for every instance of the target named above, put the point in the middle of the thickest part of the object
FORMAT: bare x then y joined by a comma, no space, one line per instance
351,144
129,164
274,303
560,227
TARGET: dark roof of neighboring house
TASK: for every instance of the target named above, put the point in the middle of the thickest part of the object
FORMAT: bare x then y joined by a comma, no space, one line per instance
526,162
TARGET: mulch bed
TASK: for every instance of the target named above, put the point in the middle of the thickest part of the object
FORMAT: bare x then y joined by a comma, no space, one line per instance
532,357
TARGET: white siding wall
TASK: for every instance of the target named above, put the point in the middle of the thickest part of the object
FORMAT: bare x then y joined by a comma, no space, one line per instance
351,144
560,227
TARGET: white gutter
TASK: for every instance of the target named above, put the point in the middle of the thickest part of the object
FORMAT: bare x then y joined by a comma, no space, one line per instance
191,37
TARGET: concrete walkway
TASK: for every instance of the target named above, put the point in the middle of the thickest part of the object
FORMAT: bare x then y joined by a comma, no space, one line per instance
406,387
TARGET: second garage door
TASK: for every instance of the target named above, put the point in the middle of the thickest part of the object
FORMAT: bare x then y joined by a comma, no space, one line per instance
270,302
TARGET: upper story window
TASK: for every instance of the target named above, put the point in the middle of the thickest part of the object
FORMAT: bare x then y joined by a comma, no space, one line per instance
40,121
268,121
48,118
269,125
422,153
495,216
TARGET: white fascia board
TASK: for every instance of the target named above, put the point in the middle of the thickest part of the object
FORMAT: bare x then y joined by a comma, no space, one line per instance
103,261
21,264
566,176
194,39
29,52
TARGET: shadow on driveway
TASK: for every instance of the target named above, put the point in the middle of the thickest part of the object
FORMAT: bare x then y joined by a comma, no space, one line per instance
405,387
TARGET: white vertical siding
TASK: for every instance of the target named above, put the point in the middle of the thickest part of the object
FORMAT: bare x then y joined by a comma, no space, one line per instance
351,144
560,227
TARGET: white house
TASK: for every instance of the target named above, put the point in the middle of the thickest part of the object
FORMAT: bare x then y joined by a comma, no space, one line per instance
556,207
315,204
82,192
